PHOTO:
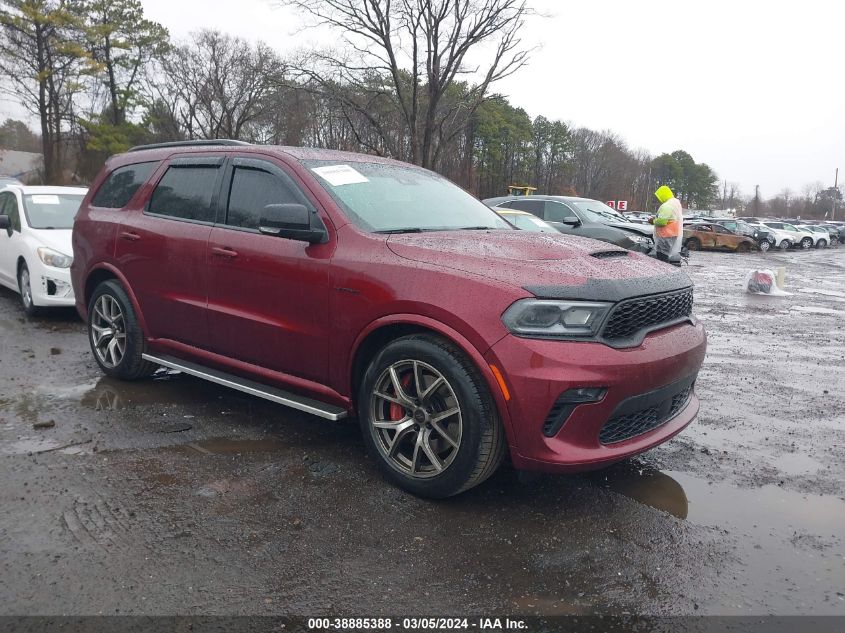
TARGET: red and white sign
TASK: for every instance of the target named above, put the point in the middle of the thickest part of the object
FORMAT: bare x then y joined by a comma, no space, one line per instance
622,205
611,204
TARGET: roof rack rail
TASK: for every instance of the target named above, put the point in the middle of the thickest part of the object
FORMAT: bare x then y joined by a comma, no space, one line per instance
199,143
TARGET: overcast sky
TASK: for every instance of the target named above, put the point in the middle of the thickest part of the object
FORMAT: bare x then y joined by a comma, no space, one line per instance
754,89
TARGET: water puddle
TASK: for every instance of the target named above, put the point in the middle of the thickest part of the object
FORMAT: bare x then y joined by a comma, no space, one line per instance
780,534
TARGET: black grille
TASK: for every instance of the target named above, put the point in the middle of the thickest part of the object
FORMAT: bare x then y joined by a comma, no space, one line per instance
623,427
635,315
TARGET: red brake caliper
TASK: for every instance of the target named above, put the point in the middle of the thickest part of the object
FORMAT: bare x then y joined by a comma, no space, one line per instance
397,411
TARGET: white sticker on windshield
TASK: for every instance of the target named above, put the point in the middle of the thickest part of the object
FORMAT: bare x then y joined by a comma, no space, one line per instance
44,199
337,175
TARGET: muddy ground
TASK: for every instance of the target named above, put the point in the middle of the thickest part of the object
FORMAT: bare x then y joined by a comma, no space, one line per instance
176,496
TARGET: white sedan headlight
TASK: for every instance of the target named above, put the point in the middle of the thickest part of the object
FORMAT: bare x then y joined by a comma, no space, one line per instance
54,258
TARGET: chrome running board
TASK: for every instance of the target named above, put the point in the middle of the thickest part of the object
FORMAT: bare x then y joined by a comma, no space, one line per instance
300,403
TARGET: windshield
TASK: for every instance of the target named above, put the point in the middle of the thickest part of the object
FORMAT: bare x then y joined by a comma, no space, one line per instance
596,211
529,223
397,198
51,211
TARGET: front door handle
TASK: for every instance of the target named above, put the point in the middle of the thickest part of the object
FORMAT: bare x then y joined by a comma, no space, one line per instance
228,253
131,237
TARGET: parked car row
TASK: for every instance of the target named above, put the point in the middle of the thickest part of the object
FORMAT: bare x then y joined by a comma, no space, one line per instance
742,235
802,234
347,285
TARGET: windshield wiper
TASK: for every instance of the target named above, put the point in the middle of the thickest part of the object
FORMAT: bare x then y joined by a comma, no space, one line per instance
474,228
396,231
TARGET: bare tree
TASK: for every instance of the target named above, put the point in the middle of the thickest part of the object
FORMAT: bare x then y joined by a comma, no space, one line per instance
216,85
413,52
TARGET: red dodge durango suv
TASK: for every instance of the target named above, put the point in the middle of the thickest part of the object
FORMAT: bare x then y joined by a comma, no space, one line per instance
342,284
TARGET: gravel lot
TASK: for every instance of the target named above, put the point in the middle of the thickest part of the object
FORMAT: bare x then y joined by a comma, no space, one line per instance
176,496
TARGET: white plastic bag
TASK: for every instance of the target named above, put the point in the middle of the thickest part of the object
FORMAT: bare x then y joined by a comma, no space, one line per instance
763,282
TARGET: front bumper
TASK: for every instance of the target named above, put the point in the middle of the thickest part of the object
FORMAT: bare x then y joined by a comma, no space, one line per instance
51,286
537,372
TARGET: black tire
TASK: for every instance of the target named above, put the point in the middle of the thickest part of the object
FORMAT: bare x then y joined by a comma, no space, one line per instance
26,293
807,242
821,244
765,245
481,445
743,247
784,245
131,366
693,244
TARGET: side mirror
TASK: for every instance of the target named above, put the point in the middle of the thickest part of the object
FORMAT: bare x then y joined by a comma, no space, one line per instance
571,220
5,223
291,221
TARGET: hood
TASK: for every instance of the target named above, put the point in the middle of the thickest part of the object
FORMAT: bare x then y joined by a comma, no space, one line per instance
547,265
640,229
57,239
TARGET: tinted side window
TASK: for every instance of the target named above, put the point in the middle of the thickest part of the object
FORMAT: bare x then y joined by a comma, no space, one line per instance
556,211
252,190
532,206
121,185
186,192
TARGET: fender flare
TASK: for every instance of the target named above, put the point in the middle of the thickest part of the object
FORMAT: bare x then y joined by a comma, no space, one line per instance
126,287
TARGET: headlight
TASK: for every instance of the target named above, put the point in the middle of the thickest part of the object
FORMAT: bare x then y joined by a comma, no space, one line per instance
639,239
544,318
54,258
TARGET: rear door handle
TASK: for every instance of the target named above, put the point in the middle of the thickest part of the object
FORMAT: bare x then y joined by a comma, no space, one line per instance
224,252
131,237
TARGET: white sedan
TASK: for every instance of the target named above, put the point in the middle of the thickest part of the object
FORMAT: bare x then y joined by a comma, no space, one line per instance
35,243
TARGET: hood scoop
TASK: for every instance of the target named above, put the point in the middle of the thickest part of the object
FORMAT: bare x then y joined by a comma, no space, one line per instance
609,254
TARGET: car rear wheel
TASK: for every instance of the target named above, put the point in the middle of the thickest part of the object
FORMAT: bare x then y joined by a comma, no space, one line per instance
807,242
742,247
693,244
765,245
784,245
115,335
428,418
25,289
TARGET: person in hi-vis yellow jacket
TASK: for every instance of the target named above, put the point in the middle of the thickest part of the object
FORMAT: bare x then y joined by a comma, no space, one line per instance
668,224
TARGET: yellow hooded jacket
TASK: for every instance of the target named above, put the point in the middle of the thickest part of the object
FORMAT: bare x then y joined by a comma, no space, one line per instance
669,220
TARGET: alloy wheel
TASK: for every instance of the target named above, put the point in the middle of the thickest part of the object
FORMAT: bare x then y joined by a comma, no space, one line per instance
108,331
416,419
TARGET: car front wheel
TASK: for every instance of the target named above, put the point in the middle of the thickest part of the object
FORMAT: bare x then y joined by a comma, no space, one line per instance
807,242
25,289
428,418
115,335
765,245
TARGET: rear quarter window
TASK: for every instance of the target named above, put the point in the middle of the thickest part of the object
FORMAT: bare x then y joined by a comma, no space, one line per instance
121,185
